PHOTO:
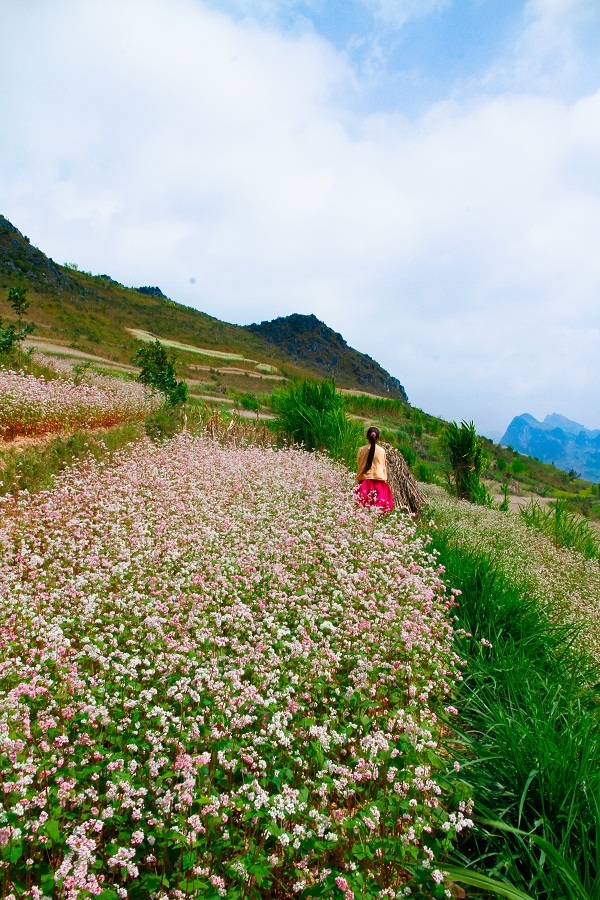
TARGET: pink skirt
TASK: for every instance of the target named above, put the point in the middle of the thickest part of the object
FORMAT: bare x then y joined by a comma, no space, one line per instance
374,493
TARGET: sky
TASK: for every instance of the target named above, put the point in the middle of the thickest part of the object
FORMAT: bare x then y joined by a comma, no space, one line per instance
422,175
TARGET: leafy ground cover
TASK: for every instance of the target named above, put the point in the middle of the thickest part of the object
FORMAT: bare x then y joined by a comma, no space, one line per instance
220,678
32,405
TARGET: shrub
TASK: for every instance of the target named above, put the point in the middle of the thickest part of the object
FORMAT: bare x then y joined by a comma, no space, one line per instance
249,402
465,458
158,371
9,336
313,414
164,422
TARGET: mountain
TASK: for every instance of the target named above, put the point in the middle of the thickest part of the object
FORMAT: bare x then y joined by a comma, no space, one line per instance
80,314
558,440
305,340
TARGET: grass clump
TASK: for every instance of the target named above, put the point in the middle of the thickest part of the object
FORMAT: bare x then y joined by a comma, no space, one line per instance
465,460
529,735
313,414
564,528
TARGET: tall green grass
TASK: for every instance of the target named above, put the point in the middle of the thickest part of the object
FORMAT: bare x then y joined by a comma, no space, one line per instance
313,414
529,738
364,405
564,528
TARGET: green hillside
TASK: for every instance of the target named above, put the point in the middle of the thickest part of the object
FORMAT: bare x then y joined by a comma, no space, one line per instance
97,316
94,317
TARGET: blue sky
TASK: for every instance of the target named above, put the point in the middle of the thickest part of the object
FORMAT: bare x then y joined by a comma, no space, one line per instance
423,175
406,62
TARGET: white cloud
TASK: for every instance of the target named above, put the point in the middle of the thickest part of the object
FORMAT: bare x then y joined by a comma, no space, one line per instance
547,56
159,141
398,12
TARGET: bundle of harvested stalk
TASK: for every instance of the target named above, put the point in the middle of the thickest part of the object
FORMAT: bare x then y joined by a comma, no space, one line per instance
403,483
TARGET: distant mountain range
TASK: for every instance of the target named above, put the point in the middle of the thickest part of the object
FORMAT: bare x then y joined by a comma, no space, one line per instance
557,440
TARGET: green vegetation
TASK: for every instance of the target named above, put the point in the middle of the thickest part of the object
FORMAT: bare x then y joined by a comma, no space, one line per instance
34,469
560,580
465,458
94,314
526,474
565,529
10,338
529,734
312,414
158,371
505,471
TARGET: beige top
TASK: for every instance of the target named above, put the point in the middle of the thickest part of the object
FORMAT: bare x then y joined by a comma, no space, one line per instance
378,470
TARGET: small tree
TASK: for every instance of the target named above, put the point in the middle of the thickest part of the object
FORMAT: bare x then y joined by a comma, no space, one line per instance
465,457
158,371
17,298
9,336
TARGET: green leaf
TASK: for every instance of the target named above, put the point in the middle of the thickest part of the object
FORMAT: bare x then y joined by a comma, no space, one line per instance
361,852
150,882
188,860
474,879
16,852
47,883
551,852
261,872
53,830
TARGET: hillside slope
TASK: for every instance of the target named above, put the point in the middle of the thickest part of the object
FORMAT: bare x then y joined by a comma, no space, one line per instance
306,340
95,315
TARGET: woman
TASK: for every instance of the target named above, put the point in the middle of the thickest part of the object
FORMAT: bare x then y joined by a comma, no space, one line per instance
373,488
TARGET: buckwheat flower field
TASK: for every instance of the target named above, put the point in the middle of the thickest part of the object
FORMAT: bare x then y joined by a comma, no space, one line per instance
31,406
219,678
565,583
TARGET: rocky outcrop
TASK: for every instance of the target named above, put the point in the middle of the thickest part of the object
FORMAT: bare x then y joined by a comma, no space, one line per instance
308,342
151,292
18,257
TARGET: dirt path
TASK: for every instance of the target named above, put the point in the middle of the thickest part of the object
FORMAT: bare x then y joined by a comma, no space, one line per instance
26,442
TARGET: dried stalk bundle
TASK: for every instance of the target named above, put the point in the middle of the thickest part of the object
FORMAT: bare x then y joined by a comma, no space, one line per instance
403,483
238,432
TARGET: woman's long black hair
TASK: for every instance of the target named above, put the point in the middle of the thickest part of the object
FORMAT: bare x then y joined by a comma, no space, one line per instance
372,437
